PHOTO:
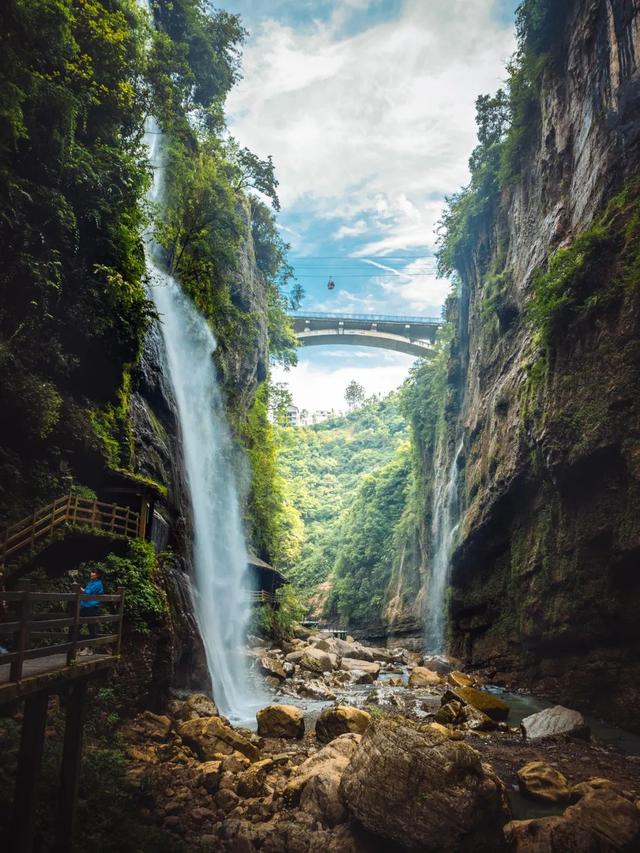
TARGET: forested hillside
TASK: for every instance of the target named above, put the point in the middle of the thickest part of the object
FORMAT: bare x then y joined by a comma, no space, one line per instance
347,478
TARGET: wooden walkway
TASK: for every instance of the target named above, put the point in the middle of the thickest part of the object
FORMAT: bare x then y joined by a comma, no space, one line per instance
49,673
42,524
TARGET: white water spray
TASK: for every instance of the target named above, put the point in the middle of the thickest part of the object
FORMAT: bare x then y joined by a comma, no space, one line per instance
220,587
444,529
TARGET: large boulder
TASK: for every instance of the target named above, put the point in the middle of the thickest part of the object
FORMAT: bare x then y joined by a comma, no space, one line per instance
554,721
341,720
351,665
282,721
272,667
317,661
423,677
316,782
602,821
543,782
194,706
414,786
211,737
488,703
459,679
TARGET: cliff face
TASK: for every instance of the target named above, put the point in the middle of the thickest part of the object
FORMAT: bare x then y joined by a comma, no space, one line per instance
545,581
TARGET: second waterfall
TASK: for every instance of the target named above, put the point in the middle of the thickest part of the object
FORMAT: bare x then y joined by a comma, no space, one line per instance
219,549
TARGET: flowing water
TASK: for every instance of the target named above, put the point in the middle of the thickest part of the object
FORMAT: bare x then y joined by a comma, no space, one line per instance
220,589
444,529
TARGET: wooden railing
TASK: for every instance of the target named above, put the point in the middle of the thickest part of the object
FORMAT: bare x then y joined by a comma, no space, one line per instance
261,596
26,619
69,509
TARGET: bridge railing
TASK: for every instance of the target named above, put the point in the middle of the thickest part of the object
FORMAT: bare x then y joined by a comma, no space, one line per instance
373,318
37,631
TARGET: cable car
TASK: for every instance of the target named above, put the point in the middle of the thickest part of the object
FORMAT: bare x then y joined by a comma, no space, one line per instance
331,284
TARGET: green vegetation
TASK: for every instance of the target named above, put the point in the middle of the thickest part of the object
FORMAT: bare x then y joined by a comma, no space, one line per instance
507,124
145,604
322,467
278,623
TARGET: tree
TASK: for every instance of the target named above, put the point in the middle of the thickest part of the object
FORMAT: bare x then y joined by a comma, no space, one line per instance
354,394
279,401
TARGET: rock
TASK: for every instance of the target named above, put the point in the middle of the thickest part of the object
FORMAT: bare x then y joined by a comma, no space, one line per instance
451,713
596,784
235,763
226,800
288,668
315,660
295,657
313,690
358,677
149,726
251,782
602,821
543,782
489,704
272,667
554,721
459,679
322,772
209,775
285,721
210,737
341,720
417,788
423,677
350,665
445,732
477,721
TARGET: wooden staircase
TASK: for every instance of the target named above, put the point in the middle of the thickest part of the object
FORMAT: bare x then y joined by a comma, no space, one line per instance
68,509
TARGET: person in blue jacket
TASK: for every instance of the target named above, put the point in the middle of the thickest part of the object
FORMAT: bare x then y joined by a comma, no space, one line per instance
91,607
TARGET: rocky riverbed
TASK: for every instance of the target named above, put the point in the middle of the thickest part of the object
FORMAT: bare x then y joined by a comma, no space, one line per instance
370,749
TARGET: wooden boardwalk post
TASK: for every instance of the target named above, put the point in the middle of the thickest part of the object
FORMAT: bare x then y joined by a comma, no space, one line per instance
29,762
70,768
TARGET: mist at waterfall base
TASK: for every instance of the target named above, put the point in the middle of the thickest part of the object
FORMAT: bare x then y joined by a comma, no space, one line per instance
444,529
220,588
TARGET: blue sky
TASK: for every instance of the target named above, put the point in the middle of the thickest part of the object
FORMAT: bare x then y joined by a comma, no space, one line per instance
367,107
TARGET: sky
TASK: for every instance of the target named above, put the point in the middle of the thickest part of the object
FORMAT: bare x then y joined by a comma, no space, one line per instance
367,107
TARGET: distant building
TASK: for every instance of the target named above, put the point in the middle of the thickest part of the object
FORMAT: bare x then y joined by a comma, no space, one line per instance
292,417
321,415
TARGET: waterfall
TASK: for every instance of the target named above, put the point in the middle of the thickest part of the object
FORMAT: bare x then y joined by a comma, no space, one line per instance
444,529
220,588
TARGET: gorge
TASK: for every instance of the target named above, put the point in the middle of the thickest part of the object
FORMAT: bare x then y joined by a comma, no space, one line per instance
463,551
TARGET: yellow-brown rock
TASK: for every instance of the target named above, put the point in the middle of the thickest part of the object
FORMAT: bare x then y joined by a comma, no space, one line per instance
281,721
251,782
423,677
488,703
460,679
341,720
210,737
438,728
540,781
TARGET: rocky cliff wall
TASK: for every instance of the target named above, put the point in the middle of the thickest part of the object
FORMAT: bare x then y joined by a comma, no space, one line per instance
545,579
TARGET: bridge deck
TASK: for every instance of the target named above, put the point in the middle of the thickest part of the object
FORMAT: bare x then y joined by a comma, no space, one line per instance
50,672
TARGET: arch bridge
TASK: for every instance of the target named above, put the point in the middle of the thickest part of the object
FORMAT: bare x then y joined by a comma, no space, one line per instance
411,335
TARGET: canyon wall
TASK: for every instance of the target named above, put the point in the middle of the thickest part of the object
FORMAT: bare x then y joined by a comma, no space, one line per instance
545,582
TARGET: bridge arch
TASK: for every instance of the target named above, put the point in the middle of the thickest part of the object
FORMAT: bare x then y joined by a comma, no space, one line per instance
410,335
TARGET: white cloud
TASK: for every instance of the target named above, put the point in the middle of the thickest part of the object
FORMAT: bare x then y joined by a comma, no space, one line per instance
383,119
322,385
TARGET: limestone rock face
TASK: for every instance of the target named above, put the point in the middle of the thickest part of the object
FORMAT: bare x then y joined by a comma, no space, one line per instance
317,660
210,737
601,822
272,666
423,791
489,704
543,782
285,721
361,666
316,782
341,720
423,677
554,721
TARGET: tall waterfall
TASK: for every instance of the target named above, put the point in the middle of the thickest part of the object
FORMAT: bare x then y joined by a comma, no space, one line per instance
219,554
444,529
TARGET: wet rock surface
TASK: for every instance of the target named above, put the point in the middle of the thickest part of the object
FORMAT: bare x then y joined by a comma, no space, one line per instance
409,782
